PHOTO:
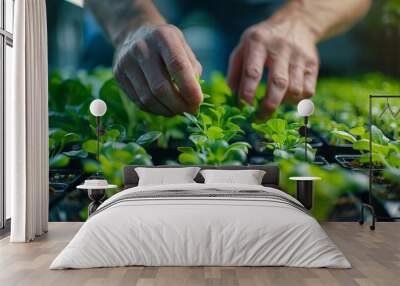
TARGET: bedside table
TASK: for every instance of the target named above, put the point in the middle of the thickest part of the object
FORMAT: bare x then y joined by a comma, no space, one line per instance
96,195
305,192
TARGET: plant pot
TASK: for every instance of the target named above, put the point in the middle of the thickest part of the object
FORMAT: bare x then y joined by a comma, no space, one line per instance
351,162
382,188
62,182
316,142
320,161
329,151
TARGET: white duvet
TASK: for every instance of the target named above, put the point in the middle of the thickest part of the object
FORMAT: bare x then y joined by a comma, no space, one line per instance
200,231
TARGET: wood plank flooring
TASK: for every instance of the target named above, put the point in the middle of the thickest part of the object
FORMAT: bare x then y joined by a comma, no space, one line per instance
375,257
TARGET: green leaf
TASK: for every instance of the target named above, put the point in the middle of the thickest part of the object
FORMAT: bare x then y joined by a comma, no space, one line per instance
90,146
191,117
233,127
71,138
114,98
238,146
363,145
57,135
69,92
120,156
91,166
198,139
359,131
299,153
378,136
344,135
281,154
395,146
76,153
235,156
59,161
51,143
277,125
185,149
279,138
189,159
206,119
215,132
112,134
148,138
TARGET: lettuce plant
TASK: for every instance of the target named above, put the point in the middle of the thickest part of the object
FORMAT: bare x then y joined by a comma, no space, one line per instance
345,101
114,155
212,133
59,141
385,152
219,89
283,139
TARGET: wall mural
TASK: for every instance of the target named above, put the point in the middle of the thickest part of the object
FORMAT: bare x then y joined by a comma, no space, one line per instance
226,130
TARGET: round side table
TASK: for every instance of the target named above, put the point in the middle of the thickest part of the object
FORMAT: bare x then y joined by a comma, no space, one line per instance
96,195
305,193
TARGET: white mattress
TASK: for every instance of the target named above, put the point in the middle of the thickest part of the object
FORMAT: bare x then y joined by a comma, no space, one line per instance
200,231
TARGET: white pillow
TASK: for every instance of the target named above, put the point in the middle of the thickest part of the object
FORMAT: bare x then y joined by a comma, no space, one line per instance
248,177
166,176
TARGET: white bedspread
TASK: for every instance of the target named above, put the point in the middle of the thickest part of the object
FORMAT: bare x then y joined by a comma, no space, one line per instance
200,231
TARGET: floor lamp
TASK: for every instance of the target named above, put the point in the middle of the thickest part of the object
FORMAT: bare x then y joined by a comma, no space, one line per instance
98,108
97,185
305,109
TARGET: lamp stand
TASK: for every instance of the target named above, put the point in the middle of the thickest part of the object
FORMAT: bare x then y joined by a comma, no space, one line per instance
98,175
305,138
98,137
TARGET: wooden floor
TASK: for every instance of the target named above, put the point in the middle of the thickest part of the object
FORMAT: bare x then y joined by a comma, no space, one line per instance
375,257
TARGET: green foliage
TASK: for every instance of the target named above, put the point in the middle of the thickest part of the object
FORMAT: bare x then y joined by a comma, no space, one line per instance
284,139
384,151
391,13
171,128
59,140
70,98
72,128
217,91
343,103
220,132
212,133
115,155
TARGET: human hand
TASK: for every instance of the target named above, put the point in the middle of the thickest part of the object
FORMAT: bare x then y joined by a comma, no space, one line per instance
157,70
286,46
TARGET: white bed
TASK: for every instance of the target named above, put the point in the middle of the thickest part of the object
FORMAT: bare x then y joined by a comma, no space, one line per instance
205,230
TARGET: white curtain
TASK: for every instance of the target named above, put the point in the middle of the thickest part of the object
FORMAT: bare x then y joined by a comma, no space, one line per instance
27,124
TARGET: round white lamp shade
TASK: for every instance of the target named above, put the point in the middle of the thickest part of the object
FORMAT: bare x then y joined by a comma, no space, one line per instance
305,107
98,107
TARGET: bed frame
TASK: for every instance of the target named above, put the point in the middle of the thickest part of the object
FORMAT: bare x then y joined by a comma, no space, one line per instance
270,179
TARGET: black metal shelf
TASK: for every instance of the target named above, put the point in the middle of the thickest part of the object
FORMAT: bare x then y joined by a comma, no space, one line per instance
370,205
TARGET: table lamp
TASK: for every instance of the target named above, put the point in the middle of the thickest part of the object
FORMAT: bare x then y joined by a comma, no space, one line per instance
305,108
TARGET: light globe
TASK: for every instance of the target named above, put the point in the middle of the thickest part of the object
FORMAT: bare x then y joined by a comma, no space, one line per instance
98,107
305,108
